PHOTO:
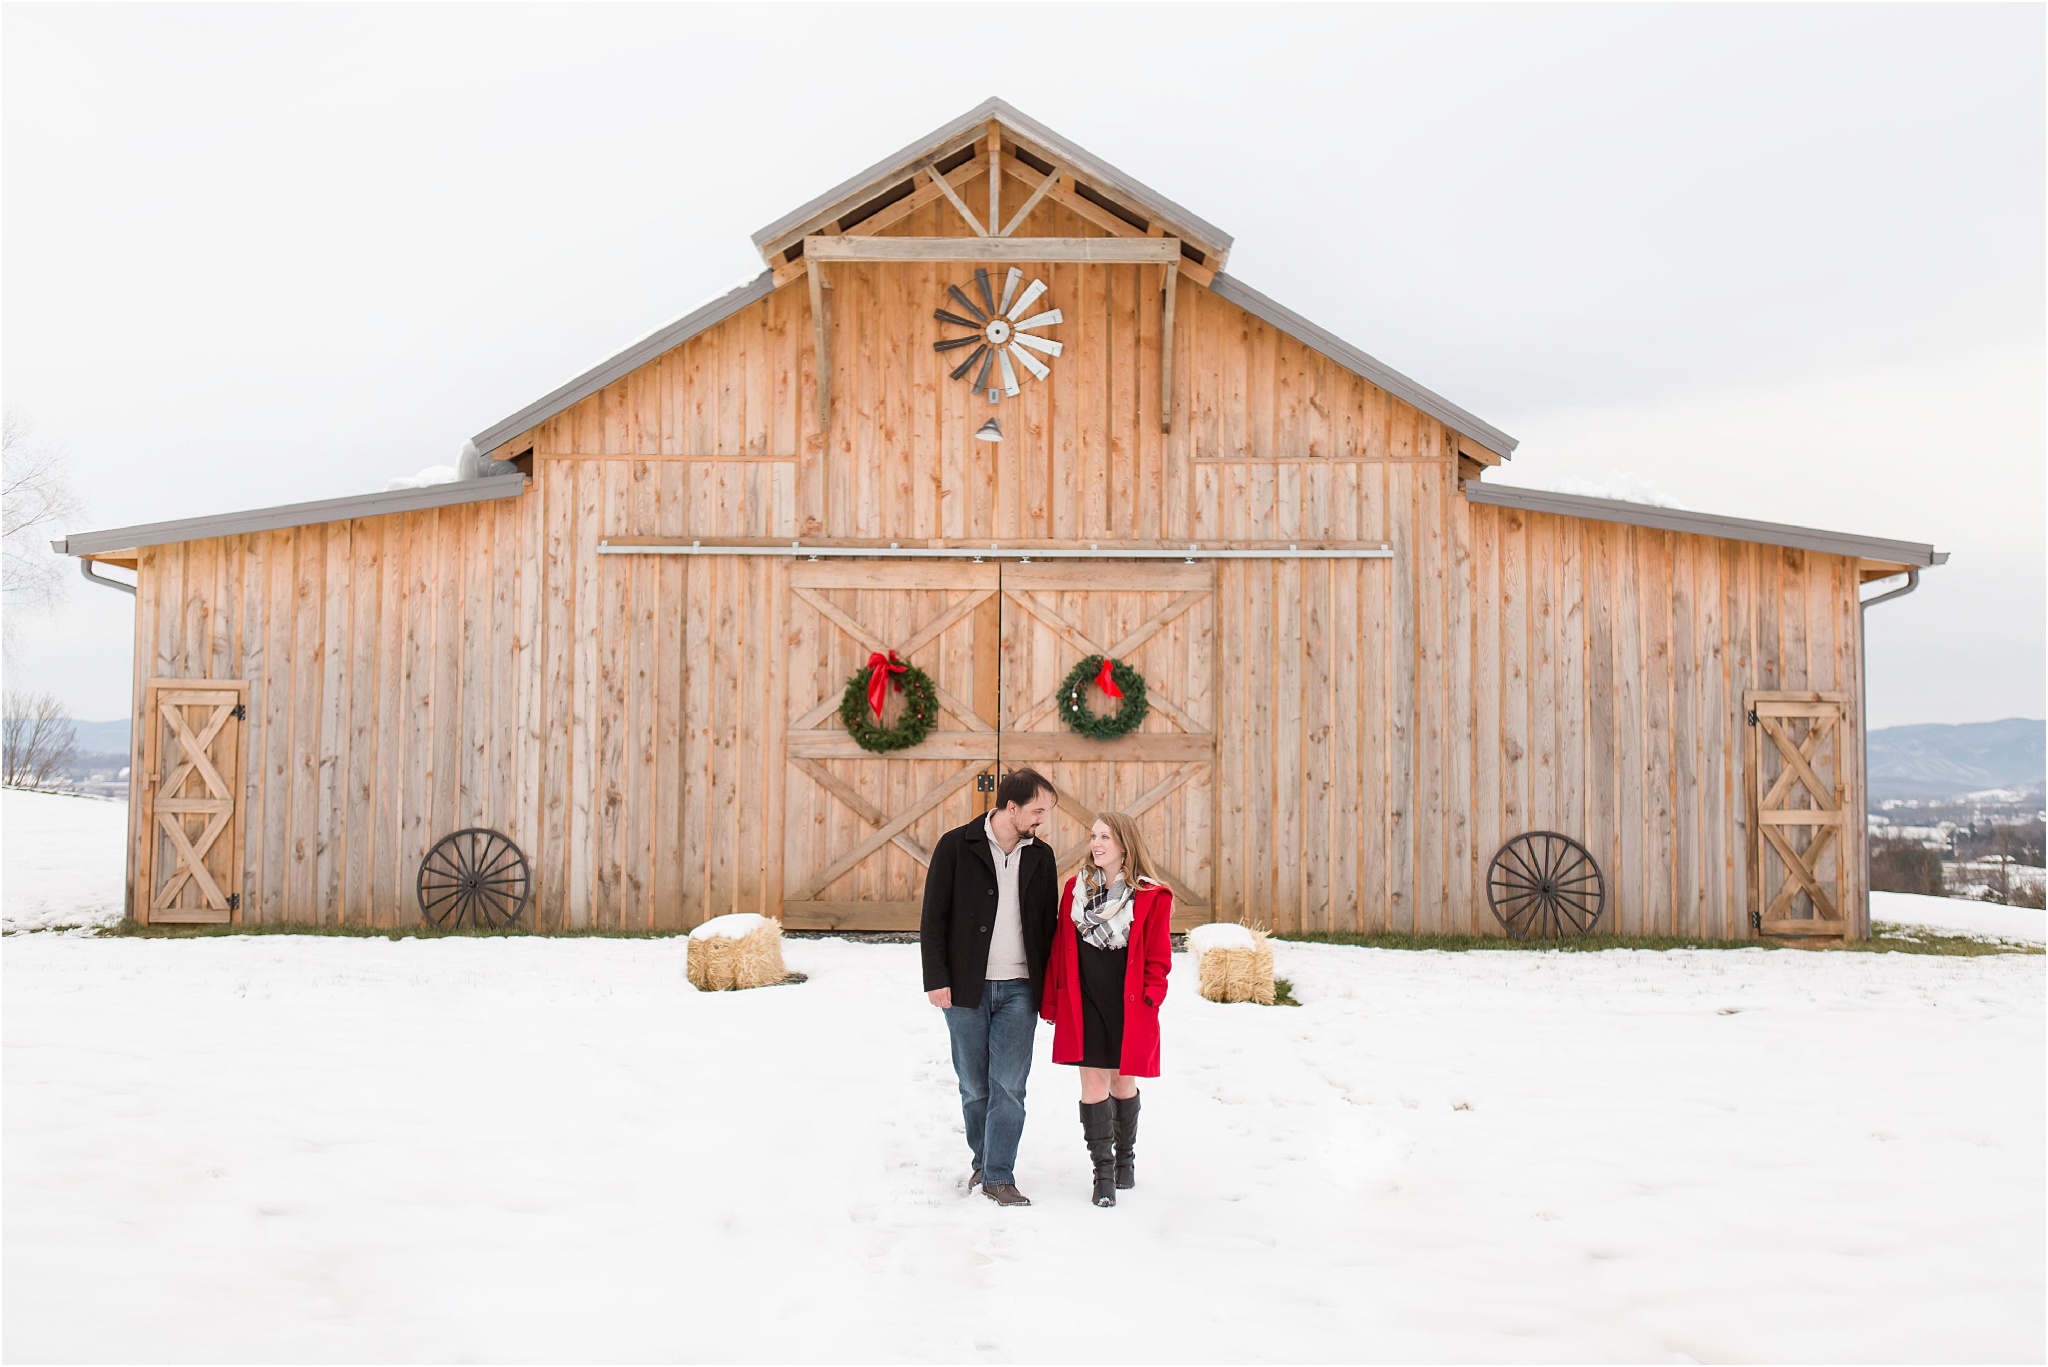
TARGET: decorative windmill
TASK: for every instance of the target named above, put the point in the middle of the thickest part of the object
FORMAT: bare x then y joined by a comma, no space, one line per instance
1002,340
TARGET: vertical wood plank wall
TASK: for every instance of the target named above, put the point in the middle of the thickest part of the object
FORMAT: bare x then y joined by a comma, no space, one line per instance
1382,726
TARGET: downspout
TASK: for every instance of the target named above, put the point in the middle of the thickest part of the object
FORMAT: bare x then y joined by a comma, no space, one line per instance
1863,716
85,568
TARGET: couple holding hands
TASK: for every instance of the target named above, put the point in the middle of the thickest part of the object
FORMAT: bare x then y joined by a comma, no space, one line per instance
1001,948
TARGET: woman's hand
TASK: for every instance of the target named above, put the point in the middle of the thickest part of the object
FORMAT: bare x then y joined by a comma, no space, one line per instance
940,997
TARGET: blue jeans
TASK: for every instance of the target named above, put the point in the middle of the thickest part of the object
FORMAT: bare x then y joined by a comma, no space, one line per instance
992,1059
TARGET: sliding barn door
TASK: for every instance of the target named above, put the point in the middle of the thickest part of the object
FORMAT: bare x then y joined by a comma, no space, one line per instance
859,827
1161,620
1799,746
191,820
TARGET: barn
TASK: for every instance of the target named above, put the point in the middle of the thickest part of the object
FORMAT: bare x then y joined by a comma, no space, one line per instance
997,408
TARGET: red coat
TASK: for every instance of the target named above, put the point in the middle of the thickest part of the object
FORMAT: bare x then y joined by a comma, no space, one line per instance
1150,958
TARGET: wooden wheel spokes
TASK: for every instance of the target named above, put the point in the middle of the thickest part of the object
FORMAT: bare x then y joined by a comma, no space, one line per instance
475,876
1547,885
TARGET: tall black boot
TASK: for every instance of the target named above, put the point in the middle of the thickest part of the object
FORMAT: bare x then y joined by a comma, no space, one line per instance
1098,1127
1126,1141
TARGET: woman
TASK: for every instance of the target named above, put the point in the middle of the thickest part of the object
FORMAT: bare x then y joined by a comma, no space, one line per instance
1110,956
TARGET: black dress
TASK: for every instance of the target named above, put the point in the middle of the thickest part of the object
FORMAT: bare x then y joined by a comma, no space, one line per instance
1102,1004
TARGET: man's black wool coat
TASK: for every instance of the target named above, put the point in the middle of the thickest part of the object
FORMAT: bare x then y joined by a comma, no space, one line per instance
960,912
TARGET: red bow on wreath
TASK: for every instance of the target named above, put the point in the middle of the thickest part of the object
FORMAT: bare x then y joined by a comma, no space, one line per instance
880,667
1105,681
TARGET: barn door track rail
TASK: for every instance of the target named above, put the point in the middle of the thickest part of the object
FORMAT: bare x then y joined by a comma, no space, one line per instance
1024,554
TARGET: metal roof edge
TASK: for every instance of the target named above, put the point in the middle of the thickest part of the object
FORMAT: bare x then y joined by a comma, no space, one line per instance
632,358
1704,524
1359,363
284,515
1075,155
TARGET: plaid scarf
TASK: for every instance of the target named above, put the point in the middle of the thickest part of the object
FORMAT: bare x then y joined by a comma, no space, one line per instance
1103,916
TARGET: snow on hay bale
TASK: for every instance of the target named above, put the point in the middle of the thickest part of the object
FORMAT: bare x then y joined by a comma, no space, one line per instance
1233,963
740,950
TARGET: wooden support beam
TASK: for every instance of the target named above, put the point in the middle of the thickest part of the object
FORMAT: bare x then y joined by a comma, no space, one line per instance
945,188
1051,177
1106,250
1166,347
821,344
995,174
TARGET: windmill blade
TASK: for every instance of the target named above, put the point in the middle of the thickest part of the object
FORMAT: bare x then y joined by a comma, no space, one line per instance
946,317
1009,289
964,302
988,299
981,379
1039,320
1009,375
972,357
1028,361
1025,301
954,343
1039,344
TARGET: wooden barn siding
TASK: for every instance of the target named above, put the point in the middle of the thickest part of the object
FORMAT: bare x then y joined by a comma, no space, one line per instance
1263,425
619,716
1609,664
393,694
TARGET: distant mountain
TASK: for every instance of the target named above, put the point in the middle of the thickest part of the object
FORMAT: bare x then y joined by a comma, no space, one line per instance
1947,761
103,737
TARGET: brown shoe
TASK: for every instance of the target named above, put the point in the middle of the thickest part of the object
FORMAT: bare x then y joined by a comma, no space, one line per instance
974,1182
1005,1194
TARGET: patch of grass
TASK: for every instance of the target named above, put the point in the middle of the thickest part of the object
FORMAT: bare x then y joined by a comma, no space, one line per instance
132,930
1886,939
1458,943
1283,993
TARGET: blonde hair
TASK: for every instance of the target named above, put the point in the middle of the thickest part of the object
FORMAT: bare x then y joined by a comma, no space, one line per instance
1137,859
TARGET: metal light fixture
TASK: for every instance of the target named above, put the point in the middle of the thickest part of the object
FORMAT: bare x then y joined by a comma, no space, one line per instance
989,431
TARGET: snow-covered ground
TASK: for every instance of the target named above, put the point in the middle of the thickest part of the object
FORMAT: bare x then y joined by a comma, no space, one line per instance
62,861
295,1148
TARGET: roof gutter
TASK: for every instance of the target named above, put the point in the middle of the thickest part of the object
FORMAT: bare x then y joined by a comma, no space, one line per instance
292,515
1904,554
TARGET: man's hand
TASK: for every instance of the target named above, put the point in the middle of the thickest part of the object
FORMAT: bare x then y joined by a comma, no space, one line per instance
940,996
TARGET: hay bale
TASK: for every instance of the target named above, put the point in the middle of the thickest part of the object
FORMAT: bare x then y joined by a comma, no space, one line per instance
1233,963
740,950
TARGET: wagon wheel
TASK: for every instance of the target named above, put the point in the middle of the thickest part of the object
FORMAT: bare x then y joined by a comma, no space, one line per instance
474,874
1547,885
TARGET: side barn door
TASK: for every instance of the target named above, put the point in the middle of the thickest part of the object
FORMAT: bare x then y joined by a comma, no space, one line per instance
191,820
1161,620
1800,856
859,826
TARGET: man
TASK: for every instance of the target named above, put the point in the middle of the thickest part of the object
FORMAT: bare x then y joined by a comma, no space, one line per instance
990,897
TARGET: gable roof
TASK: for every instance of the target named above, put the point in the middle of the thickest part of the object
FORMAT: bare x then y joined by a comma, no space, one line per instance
948,138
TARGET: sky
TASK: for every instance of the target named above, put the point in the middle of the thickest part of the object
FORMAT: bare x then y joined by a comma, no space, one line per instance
1781,262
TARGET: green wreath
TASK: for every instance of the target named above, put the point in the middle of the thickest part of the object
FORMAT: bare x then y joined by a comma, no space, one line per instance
920,709
1074,700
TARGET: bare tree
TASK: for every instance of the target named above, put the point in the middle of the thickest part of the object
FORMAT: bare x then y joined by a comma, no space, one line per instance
35,493
36,740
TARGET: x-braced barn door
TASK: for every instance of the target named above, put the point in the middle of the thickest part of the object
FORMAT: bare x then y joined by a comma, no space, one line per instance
859,826
1800,867
191,820
1161,620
